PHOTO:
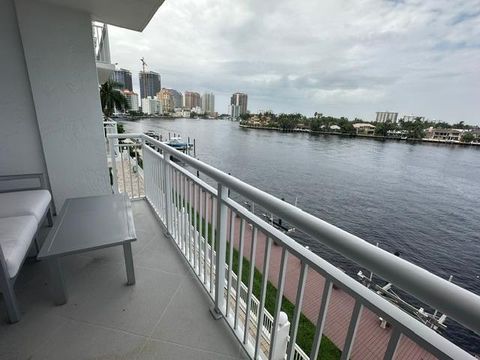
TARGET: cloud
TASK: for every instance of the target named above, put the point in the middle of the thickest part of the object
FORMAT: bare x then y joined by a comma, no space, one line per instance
338,57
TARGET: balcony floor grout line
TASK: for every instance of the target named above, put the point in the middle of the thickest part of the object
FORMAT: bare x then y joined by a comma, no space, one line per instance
149,337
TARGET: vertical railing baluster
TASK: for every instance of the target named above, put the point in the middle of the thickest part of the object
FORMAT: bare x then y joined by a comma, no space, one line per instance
198,233
322,316
278,300
239,273
263,291
298,310
253,248
212,242
194,214
205,240
138,169
144,169
221,250
124,186
352,330
130,172
168,191
188,207
158,184
393,344
177,205
230,260
161,191
183,207
113,161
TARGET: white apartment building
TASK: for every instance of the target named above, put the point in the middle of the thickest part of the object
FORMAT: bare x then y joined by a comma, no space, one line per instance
384,116
151,106
132,100
208,103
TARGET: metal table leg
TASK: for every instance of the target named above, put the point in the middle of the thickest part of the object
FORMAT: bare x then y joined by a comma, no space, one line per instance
57,282
127,252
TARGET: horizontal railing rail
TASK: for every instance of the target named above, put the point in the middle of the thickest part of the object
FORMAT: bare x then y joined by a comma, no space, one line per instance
174,191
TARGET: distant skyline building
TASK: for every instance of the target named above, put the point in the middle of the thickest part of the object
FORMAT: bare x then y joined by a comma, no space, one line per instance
151,106
177,98
235,111
124,77
166,100
238,104
407,118
208,103
150,84
384,116
191,100
132,99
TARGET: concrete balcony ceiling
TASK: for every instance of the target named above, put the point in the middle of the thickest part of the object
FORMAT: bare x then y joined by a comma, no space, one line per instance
129,14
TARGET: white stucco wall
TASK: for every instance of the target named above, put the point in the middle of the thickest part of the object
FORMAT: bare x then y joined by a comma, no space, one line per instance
20,147
59,56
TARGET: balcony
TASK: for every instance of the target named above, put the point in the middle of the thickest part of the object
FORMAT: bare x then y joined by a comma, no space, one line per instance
164,316
219,239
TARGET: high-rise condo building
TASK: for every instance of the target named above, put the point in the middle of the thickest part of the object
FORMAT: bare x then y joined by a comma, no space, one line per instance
191,100
385,116
132,99
124,77
150,84
239,100
208,103
166,100
177,98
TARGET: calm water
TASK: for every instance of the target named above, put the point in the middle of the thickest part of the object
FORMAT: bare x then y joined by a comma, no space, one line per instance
422,199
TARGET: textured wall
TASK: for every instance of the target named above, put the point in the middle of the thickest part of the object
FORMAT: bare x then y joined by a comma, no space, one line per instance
59,55
20,148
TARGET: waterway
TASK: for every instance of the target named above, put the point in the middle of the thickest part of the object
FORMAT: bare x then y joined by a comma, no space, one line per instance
420,199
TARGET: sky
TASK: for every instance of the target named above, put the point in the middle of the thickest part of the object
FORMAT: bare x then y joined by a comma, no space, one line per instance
338,57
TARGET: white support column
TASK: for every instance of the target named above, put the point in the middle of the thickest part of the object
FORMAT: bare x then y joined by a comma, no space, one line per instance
58,48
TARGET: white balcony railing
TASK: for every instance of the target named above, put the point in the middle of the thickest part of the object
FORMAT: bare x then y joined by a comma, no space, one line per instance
199,217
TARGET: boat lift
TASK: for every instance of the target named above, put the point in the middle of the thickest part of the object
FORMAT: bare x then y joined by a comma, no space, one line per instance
434,321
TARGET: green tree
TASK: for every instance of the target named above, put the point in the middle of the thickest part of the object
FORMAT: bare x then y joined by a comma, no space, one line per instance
111,98
415,129
467,137
382,129
289,121
461,125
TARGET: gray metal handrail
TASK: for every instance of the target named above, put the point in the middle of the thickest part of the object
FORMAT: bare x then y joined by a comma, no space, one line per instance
460,304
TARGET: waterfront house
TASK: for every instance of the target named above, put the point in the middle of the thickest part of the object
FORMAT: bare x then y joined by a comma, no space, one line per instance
364,129
189,301
452,135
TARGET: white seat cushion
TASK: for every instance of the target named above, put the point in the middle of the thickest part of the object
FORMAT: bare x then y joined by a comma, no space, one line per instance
16,235
19,203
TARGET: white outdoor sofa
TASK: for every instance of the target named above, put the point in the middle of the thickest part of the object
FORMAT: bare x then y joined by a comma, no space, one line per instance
22,213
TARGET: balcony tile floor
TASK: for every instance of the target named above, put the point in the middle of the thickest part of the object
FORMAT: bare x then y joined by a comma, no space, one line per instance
165,315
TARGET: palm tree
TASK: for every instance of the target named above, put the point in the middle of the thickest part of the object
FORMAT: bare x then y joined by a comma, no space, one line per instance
112,98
